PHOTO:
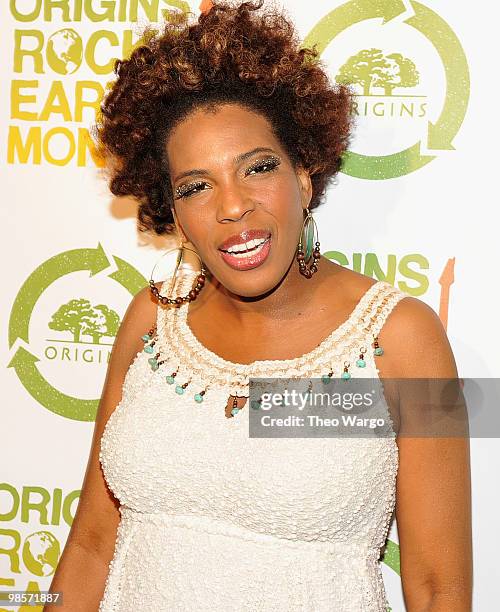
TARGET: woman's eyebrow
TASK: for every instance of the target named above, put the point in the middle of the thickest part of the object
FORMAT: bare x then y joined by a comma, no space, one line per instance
238,159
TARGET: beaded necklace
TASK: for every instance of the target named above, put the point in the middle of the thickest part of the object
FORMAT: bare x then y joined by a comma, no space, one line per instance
151,340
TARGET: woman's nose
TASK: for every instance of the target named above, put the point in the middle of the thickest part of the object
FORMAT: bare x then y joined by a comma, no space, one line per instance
233,204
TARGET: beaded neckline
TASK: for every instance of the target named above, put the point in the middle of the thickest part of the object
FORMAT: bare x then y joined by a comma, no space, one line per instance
184,332
172,342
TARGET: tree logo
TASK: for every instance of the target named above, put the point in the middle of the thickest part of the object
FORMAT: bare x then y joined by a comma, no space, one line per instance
81,318
81,330
371,68
393,79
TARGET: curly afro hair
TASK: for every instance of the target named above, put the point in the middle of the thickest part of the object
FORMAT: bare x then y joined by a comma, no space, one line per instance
230,54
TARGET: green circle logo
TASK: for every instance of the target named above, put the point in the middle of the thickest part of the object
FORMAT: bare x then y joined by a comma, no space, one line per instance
65,51
373,70
83,324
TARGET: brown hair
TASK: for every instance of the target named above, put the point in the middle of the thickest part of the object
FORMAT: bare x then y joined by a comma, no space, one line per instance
230,54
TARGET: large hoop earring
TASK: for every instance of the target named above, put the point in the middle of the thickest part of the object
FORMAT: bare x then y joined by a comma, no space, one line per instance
308,246
198,283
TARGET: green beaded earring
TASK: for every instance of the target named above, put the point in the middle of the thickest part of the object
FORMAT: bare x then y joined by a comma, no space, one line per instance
308,246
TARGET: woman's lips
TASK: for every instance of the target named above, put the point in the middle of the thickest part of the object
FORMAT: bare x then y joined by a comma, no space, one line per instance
247,261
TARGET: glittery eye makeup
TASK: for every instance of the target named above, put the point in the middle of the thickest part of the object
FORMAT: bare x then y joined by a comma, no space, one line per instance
270,162
185,190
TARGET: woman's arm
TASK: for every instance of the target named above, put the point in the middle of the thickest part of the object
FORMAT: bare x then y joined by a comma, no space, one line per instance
83,566
433,504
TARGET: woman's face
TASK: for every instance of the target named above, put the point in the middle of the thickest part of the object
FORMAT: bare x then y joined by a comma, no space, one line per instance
234,188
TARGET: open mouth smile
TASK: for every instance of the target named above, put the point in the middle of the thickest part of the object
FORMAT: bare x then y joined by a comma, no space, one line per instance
247,255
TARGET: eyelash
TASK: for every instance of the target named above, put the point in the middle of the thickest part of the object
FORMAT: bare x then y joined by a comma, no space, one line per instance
187,190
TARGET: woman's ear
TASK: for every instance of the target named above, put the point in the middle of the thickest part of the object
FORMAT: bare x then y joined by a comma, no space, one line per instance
178,227
305,185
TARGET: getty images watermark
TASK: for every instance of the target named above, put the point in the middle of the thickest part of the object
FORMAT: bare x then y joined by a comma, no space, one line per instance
374,407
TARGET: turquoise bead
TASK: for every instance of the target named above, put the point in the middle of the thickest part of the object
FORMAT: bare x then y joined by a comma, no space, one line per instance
379,351
179,390
170,380
153,363
326,379
148,349
198,398
255,404
235,411
146,338
361,363
346,375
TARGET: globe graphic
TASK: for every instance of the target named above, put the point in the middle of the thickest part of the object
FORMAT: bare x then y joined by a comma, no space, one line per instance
41,553
64,51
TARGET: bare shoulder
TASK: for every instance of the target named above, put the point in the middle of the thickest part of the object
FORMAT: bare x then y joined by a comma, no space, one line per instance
413,337
143,303
415,342
139,317
343,287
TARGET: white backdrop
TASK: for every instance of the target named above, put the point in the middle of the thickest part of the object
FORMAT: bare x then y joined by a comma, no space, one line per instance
415,205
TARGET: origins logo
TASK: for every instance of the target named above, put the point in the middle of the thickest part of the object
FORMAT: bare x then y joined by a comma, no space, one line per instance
410,79
77,332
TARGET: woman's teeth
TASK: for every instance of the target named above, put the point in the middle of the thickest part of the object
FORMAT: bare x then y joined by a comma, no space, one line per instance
243,250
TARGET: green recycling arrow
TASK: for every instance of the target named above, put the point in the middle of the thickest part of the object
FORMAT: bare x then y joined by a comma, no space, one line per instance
24,362
127,276
37,282
347,15
385,166
446,43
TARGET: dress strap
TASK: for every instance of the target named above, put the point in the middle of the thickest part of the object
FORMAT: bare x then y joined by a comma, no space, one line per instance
385,299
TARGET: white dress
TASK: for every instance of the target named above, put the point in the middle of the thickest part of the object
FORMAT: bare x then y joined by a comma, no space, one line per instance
214,520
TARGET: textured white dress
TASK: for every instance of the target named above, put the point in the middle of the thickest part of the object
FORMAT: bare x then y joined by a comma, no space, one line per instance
213,520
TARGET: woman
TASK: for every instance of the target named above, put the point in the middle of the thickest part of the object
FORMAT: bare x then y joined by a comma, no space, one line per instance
226,131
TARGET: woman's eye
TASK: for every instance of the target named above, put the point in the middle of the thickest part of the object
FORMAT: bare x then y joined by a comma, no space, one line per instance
267,165
188,190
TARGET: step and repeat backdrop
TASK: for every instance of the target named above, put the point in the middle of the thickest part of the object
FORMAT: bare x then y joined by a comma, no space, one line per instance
416,204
